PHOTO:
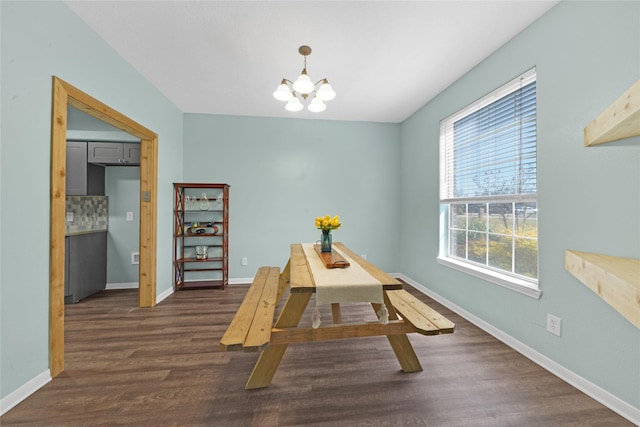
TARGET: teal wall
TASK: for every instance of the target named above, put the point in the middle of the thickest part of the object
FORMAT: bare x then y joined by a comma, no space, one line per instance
381,178
39,40
285,172
587,54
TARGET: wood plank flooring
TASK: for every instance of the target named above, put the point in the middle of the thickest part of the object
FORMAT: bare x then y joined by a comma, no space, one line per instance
129,366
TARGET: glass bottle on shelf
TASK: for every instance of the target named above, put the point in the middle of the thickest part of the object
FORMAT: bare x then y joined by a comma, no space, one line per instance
218,203
204,202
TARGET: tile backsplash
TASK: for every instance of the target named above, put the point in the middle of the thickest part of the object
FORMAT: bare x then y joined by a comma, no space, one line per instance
87,213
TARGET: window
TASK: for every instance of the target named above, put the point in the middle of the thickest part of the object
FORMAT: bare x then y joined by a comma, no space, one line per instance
488,185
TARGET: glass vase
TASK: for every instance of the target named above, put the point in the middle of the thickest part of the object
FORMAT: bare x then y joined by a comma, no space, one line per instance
325,241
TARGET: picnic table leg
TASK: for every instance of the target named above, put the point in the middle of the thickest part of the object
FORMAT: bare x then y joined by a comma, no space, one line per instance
270,358
285,278
336,314
400,343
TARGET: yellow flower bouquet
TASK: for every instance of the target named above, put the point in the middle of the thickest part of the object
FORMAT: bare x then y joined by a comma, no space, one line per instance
326,224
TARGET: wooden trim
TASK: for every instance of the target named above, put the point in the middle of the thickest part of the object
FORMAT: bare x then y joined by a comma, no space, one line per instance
64,95
95,108
148,221
616,280
620,120
56,236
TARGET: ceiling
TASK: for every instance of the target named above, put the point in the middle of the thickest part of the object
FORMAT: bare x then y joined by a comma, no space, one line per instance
384,59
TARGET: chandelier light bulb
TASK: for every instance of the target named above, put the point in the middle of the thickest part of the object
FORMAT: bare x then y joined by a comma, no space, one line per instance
303,84
282,93
317,106
294,104
326,92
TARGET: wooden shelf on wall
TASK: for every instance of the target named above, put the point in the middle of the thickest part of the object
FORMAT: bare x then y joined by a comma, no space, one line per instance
614,279
620,120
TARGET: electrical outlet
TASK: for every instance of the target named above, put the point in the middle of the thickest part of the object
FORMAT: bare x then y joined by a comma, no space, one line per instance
363,256
69,216
129,216
135,258
554,324
244,261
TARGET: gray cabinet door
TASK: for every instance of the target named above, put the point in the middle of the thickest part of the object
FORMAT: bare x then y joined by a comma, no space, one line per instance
114,153
76,178
131,154
82,179
105,152
87,265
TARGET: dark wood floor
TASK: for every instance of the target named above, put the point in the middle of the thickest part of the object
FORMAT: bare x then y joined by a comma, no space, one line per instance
162,367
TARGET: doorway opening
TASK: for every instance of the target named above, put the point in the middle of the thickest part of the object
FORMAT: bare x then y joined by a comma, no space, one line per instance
112,160
65,95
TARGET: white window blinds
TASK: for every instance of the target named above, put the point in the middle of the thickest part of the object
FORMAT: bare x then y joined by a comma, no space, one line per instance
488,149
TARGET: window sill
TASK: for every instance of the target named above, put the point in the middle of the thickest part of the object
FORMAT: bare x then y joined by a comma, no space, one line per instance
521,286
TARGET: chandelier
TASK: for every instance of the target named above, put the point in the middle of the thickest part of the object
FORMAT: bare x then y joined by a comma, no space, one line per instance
304,87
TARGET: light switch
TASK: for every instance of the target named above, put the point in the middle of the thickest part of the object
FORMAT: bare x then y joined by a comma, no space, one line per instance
129,216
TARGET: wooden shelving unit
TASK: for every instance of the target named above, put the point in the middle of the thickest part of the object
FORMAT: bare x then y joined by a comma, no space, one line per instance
616,280
201,220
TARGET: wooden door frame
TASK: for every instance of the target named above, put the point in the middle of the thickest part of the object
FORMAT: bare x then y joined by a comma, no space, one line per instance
65,95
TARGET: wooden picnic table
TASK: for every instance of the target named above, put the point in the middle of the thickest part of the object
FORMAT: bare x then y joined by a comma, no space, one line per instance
253,328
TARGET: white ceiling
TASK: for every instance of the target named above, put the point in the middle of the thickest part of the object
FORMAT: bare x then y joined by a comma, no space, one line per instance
384,59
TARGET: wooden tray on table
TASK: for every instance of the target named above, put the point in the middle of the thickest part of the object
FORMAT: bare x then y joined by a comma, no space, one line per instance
331,259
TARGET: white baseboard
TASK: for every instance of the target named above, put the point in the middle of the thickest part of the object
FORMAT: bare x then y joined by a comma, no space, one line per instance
126,285
135,285
164,295
24,391
169,291
612,402
241,281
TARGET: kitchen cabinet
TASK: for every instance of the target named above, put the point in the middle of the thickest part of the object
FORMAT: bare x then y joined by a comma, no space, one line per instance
200,236
82,179
85,265
114,153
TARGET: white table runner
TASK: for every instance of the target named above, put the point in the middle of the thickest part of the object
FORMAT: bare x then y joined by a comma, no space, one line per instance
350,284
